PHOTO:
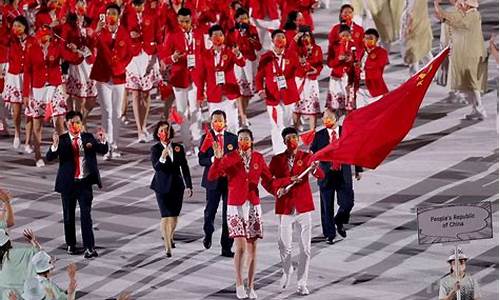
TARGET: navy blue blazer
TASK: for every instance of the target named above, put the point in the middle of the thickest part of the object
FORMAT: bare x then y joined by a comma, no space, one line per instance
66,172
321,140
205,159
168,176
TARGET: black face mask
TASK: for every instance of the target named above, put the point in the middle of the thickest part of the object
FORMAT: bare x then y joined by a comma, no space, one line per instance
242,26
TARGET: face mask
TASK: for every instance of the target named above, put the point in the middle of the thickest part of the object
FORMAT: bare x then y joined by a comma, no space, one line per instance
218,40
280,42
75,128
244,145
370,43
111,20
328,122
185,26
17,31
163,136
347,19
242,26
80,10
52,5
307,42
218,126
177,2
292,144
43,35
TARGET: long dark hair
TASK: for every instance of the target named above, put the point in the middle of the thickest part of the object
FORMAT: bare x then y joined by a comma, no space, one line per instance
4,252
157,128
291,18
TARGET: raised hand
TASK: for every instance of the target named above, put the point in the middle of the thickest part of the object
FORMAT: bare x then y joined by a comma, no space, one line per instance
101,135
218,153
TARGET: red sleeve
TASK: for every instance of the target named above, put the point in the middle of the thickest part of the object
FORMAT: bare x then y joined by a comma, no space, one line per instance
261,72
27,71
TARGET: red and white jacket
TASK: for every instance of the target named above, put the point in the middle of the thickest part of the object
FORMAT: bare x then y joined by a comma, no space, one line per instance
264,9
376,60
213,62
357,33
77,35
271,66
146,24
248,41
313,62
340,67
242,186
17,54
113,55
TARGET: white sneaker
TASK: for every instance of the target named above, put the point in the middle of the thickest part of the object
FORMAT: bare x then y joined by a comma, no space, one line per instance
252,294
285,279
303,290
40,163
475,115
142,138
241,293
16,143
115,154
28,149
107,156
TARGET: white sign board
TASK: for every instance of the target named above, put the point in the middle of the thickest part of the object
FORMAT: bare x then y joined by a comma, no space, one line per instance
454,223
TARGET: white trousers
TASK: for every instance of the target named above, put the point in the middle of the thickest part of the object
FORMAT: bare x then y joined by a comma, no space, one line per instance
414,68
283,119
187,105
285,232
263,30
231,110
111,97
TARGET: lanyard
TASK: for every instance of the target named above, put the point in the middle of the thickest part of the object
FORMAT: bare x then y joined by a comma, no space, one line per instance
218,65
189,38
280,66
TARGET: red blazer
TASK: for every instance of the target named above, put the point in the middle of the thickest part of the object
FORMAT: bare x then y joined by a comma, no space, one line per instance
300,196
340,67
242,186
314,59
17,55
180,75
208,68
268,68
39,71
376,61
149,30
262,9
73,35
302,6
112,56
247,46
358,34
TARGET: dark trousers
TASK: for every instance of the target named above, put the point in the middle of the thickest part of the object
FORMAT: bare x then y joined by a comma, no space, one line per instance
345,202
213,200
81,192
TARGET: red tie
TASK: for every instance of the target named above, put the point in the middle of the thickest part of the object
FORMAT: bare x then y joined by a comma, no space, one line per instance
220,140
333,139
76,156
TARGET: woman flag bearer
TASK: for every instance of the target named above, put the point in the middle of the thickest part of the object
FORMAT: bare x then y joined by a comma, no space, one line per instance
244,169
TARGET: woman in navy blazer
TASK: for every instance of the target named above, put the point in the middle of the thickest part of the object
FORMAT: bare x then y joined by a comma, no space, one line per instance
171,178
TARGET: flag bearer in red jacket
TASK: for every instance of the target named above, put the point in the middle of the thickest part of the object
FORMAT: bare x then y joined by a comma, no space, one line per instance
296,206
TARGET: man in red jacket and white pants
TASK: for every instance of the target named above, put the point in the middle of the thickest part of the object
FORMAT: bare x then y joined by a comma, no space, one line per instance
275,82
296,206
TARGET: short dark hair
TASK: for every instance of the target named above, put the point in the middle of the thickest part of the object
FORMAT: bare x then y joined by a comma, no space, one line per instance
344,27
239,12
23,21
72,113
290,20
113,6
246,130
275,32
287,131
347,5
218,112
159,125
137,2
185,12
372,31
215,28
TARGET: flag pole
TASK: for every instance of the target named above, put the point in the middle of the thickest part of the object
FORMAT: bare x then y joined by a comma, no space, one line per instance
291,185
457,271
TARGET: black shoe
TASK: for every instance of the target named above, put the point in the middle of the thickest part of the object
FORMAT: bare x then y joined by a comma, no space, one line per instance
330,240
173,245
341,231
207,242
169,254
71,250
227,253
90,254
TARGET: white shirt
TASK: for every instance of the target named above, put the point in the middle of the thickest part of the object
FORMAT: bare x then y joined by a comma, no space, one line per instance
330,130
170,153
83,165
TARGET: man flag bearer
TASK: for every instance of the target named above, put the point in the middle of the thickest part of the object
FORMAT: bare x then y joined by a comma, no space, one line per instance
293,207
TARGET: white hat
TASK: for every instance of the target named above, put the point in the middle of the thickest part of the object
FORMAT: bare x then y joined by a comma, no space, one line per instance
41,262
4,237
461,254
33,290
473,3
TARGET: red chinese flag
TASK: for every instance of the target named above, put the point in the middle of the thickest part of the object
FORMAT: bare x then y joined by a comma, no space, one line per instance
208,141
370,133
175,116
307,137
48,112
